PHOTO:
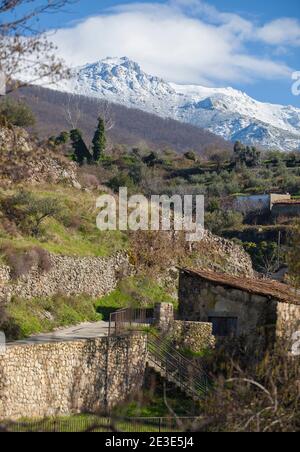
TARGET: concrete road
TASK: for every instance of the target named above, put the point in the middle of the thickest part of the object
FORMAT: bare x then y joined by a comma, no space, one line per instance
73,333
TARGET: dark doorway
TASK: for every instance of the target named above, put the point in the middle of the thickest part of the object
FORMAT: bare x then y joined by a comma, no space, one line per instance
224,326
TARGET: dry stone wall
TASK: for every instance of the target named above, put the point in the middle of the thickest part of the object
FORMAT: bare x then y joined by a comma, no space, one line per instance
193,336
288,320
224,256
69,276
72,377
164,316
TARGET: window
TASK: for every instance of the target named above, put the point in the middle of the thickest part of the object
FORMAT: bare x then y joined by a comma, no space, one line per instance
224,326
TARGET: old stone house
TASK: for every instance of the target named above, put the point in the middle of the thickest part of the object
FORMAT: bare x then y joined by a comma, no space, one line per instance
238,306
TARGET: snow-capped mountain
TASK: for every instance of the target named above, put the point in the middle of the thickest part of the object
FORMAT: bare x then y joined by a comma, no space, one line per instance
224,111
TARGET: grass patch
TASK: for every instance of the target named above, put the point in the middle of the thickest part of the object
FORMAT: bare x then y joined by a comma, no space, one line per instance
150,401
91,423
62,241
137,291
27,317
74,233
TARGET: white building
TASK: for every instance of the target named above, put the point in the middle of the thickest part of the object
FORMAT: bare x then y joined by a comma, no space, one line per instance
261,203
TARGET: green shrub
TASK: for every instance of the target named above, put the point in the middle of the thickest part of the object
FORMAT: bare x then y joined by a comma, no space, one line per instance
29,211
191,155
16,113
138,291
219,220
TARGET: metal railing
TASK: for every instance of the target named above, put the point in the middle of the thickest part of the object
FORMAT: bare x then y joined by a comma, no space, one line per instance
129,318
176,368
162,356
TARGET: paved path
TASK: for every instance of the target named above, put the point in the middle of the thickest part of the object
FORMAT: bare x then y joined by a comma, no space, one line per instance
82,331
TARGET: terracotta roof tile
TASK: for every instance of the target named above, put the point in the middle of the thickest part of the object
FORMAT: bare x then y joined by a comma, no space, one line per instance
270,288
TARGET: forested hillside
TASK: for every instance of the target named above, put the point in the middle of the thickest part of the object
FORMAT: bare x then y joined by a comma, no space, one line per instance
56,111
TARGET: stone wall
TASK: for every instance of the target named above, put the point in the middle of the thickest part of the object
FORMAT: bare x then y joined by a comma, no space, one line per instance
70,377
164,316
288,320
222,255
193,336
69,276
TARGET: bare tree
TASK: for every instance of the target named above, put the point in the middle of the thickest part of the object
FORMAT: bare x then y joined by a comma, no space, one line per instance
269,264
72,111
105,112
24,47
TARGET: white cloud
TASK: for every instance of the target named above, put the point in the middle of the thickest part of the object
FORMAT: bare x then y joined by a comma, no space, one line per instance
181,41
285,31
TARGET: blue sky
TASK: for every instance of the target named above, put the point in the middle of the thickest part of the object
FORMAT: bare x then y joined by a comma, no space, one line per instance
250,45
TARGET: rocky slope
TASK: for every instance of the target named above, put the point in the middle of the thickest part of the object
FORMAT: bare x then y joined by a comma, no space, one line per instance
22,160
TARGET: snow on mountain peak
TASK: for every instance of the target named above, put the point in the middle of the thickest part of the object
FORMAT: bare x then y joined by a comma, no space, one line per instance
224,111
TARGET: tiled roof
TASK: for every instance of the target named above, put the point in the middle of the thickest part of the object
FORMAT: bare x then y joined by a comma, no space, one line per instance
269,288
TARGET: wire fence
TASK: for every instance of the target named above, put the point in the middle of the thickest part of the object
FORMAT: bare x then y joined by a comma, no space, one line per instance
104,424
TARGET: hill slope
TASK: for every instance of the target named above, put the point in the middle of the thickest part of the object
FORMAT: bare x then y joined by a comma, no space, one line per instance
132,127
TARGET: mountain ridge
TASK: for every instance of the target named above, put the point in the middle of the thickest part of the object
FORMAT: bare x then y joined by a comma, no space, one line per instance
224,111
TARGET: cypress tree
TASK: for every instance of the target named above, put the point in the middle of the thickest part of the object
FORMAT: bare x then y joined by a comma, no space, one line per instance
99,141
81,151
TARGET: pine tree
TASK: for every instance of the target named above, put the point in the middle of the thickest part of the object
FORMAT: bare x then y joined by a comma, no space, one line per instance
99,141
81,152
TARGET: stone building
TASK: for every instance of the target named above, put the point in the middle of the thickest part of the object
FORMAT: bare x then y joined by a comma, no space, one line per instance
238,306
288,208
262,203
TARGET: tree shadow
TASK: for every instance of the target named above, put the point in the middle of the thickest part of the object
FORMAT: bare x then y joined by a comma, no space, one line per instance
105,311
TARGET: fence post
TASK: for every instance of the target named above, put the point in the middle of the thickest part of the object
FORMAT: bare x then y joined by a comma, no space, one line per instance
109,327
